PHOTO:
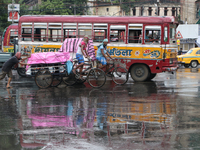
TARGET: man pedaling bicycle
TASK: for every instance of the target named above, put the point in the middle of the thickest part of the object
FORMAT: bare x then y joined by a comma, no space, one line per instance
101,55
80,53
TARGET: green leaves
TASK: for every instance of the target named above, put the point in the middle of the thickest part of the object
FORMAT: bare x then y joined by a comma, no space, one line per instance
4,14
126,5
55,7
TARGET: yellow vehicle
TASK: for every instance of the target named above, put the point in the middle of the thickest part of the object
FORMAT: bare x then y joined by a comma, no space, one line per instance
191,58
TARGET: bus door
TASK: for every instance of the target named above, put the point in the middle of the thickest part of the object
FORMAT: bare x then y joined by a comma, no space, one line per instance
152,42
15,42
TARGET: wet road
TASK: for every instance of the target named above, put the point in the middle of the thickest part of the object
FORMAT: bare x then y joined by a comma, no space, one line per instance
156,115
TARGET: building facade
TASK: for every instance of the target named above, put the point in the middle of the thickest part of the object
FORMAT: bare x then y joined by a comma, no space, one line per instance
187,11
140,8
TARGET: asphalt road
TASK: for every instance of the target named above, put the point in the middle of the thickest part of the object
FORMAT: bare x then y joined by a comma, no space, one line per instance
160,114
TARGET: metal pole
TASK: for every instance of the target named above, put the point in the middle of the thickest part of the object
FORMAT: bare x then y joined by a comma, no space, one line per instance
12,11
74,9
157,7
120,8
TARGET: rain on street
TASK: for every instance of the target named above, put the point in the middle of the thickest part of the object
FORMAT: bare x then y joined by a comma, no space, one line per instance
159,114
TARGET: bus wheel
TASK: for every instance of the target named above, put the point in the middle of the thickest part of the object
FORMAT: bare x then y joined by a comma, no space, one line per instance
140,72
21,72
194,64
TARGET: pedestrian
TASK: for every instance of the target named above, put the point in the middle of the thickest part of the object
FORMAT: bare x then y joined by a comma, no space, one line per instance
180,51
7,67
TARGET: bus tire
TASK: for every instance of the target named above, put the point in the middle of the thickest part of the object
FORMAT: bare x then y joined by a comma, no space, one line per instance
140,72
21,72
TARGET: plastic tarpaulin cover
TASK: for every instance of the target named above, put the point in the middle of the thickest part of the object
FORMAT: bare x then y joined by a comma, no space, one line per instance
48,58
71,45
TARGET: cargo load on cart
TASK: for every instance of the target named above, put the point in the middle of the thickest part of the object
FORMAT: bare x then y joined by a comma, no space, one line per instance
53,61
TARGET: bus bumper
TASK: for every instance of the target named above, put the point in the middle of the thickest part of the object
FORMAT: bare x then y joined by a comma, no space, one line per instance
170,69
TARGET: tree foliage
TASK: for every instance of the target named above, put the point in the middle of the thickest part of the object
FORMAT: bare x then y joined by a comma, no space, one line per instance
55,7
126,5
4,14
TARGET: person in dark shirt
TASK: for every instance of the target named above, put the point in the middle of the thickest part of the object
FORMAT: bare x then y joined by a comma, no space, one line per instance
180,51
7,67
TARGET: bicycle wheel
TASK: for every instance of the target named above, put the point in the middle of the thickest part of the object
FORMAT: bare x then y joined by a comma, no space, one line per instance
43,78
120,75
96,78
69,79
56,81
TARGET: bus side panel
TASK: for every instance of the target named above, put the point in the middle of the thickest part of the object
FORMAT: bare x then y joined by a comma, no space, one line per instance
7,46
151,56
6,42
169,62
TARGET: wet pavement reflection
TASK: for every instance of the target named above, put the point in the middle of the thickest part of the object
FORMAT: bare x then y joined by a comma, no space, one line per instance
156,115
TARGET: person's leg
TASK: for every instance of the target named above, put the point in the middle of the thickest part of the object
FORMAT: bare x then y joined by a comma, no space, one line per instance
102,66
9,79
81,63
2,75
102,60
107,67
78,66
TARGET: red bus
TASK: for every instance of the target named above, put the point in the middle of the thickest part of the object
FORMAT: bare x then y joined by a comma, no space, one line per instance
9,34
144,45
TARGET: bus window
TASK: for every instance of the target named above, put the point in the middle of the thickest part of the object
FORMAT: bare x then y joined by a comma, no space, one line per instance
165,34
84,29
152,34
100,32
54,32
117,33
26,32
69,30
13,34
40,31
172,33
135,33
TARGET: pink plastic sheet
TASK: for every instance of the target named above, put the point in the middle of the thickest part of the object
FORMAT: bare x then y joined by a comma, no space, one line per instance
71,45
48,58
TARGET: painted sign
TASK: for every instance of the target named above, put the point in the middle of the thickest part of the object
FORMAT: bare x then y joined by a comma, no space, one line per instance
152,54
27,49
8,49
117,52
179,35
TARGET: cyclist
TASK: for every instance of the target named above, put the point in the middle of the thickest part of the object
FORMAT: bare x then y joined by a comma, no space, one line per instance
101,55
80,53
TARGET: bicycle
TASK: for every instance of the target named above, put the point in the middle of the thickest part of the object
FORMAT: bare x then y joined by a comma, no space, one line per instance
94,76
118,74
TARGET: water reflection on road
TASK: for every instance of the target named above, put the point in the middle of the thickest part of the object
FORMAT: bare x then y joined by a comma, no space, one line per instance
160,114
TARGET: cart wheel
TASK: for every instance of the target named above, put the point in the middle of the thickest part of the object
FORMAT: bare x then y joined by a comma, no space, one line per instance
43,78
69,79
56,81
96,78
120,75
21,72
